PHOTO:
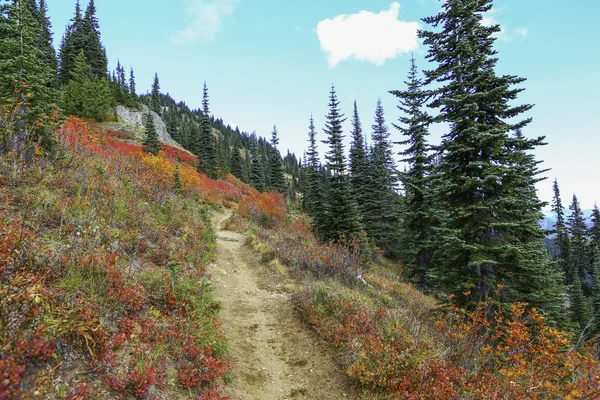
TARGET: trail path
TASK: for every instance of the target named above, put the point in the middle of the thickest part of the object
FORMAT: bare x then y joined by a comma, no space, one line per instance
275,357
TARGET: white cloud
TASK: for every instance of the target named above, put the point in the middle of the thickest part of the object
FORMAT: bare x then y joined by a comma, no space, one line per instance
367,36
505,33
208,16
522,32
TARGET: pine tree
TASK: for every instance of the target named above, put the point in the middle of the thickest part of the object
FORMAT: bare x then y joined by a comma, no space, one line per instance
95,54
177,183
277,179
26,81
46,43
155,99
71,45
208,150
359,173
313,197
596,291
151,142
561,241
237,163
132,85
578,265
417,221
340,212
380,218
84,95
256,175
594,234
577,304
483,241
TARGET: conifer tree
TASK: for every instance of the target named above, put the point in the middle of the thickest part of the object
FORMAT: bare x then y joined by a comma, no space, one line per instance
483,241
26,81
155,104
577,304
313,197
596,291
237,163
416,227
359,173
277,179
256,174
594,234
578,265
71,45
340,212
95,53
380,219
561,241
208,149
86,96
46,43
132,85
177,183
151,142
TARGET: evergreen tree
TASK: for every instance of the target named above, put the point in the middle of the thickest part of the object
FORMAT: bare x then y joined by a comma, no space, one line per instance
71,45
84,95
596,291
237,163
155,99
340,212
578,265
26,81
594,234
151,142
208,149
46,43
177,183
313,197
359,173
417,221
577,304
380,219
95,54
256,175
277,179
483,241
132,84
561,241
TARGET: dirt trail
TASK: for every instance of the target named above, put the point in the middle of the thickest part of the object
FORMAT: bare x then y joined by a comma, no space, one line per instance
274,355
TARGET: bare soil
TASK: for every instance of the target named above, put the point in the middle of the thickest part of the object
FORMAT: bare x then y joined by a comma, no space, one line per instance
274,356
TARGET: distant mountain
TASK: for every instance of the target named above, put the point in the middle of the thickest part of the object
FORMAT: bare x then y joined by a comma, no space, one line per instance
549,220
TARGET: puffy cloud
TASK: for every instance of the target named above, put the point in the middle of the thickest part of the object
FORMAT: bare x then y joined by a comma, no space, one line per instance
207,18
367,36
522,32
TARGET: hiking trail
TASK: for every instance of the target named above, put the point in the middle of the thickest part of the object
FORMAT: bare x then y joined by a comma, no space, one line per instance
274,356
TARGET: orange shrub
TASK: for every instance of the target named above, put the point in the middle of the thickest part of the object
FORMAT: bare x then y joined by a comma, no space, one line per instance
266,209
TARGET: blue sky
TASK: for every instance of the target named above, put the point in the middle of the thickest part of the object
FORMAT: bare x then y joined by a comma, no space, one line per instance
272,62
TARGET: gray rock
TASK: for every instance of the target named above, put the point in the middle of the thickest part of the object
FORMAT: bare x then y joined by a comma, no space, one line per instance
136,120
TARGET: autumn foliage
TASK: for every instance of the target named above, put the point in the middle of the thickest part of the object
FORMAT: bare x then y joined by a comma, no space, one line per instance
102,275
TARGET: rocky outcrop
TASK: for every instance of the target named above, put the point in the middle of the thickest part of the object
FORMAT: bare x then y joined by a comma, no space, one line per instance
135,119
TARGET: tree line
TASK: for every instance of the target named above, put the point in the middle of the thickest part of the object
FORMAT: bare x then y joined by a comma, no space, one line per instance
463,217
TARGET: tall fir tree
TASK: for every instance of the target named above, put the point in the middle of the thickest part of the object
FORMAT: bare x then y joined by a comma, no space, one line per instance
208,150
155,104
340,211
578,260
84,95
257,178
151,142
313,197
594,234
277,179
596,291
484,242
417,221
359,173
236,165
26,81
562,247
132,88
95,53
46,44
380,219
